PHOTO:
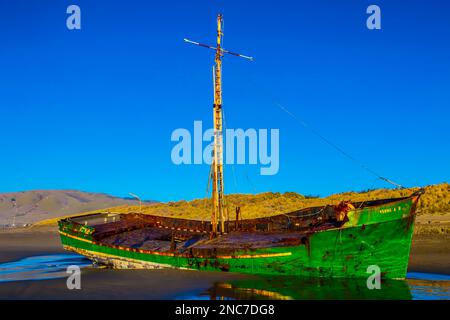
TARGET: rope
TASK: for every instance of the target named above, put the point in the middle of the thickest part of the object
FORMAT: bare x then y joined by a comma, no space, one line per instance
307,215
249,182
208,186
371,187
232,166
323,138
339,149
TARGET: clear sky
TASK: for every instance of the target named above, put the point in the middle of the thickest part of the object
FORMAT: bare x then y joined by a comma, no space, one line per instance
94,109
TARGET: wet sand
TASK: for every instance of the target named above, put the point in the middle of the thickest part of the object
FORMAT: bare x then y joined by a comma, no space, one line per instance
18,244
430,254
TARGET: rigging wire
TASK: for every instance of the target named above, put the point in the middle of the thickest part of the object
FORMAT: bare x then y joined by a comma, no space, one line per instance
232,166
326,140
250,182
336,147
371,187
208,186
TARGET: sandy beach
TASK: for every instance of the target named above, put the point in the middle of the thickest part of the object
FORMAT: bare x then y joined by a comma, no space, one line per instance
17,244
430,254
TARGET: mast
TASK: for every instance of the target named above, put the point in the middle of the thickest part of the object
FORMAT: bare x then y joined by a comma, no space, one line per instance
218,201
218,188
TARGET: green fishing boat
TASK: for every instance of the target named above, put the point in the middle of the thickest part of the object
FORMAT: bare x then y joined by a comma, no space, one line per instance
330,241
344,240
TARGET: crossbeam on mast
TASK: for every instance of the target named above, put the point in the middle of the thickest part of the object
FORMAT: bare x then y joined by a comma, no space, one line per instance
217,165
214,48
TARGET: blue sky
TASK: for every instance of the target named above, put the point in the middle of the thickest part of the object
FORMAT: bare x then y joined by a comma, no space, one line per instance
94,109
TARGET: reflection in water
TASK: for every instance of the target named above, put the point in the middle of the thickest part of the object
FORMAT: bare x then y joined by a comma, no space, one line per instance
429,286
294,288
428,276
429,290
40,267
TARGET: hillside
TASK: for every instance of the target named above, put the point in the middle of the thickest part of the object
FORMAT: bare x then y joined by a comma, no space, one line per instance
436,201
33,206
433,210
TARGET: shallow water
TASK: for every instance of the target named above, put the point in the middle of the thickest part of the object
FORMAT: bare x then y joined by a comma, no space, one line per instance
39,273
41,267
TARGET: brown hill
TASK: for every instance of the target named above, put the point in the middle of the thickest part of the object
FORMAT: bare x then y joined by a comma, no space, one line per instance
32,206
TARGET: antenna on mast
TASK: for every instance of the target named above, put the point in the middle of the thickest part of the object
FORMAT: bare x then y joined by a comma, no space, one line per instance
217,165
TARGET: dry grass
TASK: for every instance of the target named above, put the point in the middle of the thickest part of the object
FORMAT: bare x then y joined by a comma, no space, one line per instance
436,201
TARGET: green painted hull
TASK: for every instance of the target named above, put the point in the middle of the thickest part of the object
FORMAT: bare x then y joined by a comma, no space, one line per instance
379,236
